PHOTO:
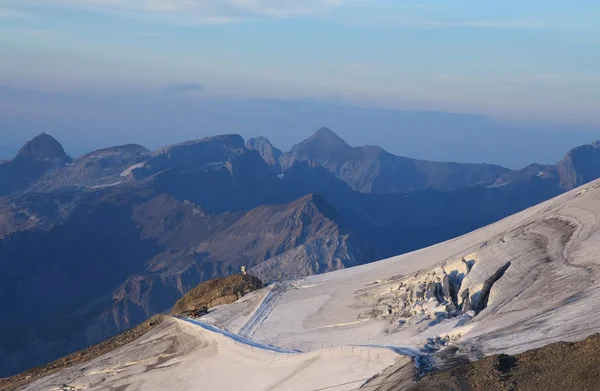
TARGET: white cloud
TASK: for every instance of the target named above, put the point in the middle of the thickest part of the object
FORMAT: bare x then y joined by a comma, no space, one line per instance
205,11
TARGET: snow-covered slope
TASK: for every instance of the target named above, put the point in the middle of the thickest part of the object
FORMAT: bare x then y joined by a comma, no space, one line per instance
525,281
521,283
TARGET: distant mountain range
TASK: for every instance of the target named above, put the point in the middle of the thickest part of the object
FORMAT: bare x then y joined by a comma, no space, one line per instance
371,169
92,246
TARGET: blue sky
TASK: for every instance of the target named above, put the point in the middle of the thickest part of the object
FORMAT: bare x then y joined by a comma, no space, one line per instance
510,58
527,61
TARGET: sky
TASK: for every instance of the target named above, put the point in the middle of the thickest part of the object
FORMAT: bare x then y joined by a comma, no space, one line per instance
530,65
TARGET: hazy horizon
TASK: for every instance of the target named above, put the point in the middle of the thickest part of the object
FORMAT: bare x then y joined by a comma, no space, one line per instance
509,83
85,122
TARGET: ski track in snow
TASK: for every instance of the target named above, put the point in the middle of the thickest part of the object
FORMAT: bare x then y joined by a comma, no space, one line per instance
263,310
239,338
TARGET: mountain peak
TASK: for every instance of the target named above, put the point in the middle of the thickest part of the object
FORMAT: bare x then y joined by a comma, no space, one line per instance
258,140
328,135
43,147
260,144
267,151
323,144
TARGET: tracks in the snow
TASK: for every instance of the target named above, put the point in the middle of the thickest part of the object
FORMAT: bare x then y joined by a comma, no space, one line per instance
263,310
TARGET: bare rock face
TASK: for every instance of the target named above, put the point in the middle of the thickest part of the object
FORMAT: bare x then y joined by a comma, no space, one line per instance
580,165
37,157
43,147
267,151
215,292
554,367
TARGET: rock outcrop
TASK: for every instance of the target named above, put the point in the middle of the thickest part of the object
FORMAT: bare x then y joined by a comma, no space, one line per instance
215,292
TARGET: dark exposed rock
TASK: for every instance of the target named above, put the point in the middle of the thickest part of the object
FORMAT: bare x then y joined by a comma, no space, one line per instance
554,367
217,292
43,147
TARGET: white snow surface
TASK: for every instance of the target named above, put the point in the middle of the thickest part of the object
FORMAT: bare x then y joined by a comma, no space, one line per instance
183,356
549,293
113,184
130,169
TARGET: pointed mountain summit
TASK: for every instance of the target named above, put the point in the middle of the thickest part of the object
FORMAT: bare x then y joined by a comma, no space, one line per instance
329,136
323,144
43,147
